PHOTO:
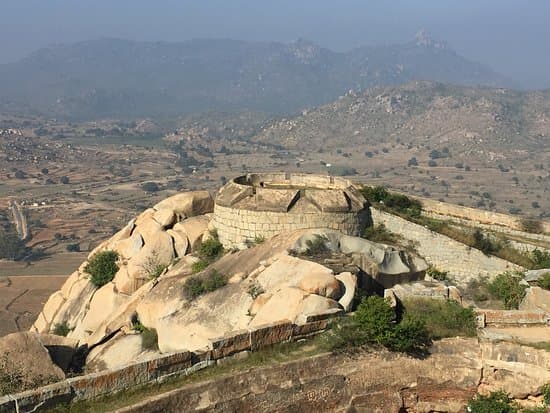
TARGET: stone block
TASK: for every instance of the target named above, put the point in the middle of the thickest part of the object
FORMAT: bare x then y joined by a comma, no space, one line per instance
269,334
229,344
108,381
42,398
305,330
170,363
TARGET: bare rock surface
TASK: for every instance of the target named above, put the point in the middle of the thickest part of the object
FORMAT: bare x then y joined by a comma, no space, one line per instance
536,299
24,358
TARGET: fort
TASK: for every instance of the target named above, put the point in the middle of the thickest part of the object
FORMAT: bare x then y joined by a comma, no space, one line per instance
263,205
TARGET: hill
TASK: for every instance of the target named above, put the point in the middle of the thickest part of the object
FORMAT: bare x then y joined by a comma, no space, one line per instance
120,78
435,139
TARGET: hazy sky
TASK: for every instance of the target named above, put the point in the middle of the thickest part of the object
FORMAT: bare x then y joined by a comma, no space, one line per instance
513,37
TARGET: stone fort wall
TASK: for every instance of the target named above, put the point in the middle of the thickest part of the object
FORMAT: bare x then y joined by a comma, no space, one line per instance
264,205
235,225
461,261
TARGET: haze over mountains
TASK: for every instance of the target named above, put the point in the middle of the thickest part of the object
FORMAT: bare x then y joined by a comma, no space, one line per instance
120,78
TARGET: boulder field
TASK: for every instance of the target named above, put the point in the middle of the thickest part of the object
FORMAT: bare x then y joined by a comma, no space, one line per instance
269,282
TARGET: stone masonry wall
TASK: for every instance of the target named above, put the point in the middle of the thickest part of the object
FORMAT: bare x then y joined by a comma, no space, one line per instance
492,220
238,225
461,261
159,369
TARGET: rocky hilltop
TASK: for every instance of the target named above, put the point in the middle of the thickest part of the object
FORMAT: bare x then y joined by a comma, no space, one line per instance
267,283
164,289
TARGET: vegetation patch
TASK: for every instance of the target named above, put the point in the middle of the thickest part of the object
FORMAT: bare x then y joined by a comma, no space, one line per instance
374,324
380,197
61,329
211,249
437,274
507,287
541,259
316,246
153,268
544,281
499,402
102,267
197,286
199,266
254,290
149,337
442,318
379,233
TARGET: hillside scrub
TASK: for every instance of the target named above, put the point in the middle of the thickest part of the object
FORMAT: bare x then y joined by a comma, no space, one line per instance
541,259
211,249
102,267
442,318
544,281
507,287
380,197
379,233
374,324
197,286
316,246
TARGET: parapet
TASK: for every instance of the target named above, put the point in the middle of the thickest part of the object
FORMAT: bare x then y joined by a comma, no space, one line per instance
262,205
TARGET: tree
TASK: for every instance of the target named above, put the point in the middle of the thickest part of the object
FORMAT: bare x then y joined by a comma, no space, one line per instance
150,187
64,180
11,247
102,267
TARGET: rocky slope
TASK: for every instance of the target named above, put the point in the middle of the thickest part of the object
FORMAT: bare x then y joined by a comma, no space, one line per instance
269,282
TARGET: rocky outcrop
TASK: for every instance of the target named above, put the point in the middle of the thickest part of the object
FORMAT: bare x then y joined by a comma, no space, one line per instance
536,299
25,362
143,244
266,284
374,382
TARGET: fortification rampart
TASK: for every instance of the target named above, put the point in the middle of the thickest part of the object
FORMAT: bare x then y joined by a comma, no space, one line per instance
161,368
461,261
487,219
263,205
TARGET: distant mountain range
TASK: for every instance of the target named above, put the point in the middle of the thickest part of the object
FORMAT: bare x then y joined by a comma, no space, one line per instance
120,78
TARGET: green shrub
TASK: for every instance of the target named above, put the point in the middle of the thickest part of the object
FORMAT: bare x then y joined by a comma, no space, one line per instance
259,239
102,267
149,336
61,329
484,243
254,290
399,203
75,247
199,266
507,287
437,274
213,281
197,286
11,247
380,233
410,335
544,281
546,394
317,245
442,318
211,249
192,288
541,259
496,402
374,323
